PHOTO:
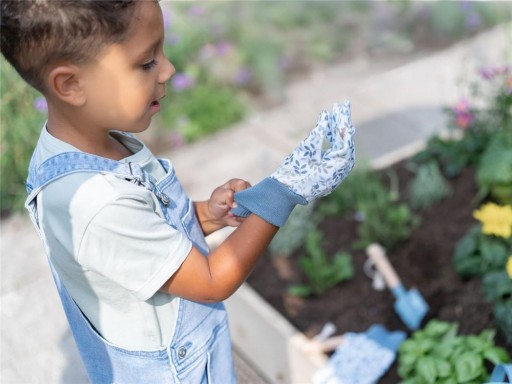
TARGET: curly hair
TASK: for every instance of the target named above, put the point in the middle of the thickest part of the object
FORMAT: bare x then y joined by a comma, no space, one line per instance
35,34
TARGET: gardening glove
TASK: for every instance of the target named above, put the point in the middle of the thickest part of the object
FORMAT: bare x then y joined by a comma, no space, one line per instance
362,358
308,173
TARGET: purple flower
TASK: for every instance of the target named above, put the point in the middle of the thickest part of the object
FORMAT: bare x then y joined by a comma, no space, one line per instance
489,73
182,81
243,76
40,104
486,73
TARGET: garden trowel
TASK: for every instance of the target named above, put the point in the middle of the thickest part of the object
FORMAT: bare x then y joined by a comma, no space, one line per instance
409,305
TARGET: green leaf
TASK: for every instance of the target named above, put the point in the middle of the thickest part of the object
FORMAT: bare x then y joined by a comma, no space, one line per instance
494,166
436,328
443,368
496,355
494,253
503,317
468,366
426,369
497,285
300,290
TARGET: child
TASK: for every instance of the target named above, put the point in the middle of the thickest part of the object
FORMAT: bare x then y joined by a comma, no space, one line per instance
141,291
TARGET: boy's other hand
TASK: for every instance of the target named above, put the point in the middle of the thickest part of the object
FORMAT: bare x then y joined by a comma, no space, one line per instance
215,213
222,201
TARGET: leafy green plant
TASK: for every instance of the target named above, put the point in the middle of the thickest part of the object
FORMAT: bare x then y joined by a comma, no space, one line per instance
385,219
497,286
455,152
481,120
477,253
382,217
428,186
436,354
494,171
322,272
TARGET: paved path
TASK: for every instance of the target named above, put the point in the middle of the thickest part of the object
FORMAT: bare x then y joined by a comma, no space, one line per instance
394,104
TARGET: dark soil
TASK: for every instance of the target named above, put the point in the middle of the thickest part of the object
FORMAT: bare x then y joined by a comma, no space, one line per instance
424,261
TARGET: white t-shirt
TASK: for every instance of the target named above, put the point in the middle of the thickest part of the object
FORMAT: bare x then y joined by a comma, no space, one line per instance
112,247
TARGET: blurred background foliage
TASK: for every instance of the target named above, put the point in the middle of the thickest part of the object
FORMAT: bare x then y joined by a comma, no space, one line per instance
235,57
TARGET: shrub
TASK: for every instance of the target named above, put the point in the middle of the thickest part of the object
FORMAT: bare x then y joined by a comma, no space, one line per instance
428,186
20,124
436,354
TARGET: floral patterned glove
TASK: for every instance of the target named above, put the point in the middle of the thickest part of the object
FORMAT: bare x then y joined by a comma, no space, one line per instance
361,358
309,172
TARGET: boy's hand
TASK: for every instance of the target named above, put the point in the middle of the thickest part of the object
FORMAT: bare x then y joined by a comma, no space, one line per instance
215,213
222,201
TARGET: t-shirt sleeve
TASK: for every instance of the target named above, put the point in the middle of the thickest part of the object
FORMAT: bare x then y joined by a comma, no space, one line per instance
129,243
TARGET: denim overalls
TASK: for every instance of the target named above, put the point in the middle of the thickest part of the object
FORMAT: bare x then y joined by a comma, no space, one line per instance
200,350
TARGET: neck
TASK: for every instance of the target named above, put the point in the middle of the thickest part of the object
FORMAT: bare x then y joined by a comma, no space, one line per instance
95,142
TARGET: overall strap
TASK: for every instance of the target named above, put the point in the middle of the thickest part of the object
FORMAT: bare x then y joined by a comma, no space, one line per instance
67,163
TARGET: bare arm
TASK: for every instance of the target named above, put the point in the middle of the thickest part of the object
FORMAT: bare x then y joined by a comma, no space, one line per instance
218,276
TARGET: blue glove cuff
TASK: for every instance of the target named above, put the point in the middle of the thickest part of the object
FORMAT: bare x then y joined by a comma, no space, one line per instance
269,199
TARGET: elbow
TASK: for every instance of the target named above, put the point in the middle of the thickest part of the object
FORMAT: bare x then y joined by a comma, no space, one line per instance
218,295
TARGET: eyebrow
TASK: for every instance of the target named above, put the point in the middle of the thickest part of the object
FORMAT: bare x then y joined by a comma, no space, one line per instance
151,48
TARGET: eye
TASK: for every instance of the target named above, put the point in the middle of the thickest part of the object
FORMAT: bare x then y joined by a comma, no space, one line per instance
149,65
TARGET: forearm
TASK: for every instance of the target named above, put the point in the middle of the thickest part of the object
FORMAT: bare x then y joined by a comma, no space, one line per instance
233,261
218,276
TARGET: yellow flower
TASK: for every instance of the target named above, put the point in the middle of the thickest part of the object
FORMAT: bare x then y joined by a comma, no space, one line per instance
496,220
509,266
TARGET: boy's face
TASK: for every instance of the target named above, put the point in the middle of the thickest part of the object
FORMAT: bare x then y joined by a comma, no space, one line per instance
124,84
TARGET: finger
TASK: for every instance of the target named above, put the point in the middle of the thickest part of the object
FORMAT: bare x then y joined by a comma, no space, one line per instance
312,145
342,129
237,185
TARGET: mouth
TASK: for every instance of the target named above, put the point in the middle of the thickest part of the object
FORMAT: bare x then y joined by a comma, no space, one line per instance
154,106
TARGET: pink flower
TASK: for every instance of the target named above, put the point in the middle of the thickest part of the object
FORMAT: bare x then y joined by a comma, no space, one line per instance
463,115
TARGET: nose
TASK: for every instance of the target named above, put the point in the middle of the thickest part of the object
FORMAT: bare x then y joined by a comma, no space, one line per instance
167,71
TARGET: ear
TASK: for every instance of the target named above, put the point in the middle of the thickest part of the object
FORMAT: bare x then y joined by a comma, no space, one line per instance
64,83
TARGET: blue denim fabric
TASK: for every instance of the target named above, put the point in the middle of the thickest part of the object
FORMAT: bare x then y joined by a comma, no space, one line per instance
200,351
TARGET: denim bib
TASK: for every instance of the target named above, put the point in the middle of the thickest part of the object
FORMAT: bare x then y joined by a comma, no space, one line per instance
200,350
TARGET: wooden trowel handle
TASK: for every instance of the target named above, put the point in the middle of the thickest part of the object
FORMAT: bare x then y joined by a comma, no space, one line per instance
377,254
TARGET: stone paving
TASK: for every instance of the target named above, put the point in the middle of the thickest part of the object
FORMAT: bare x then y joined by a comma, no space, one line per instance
395,104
